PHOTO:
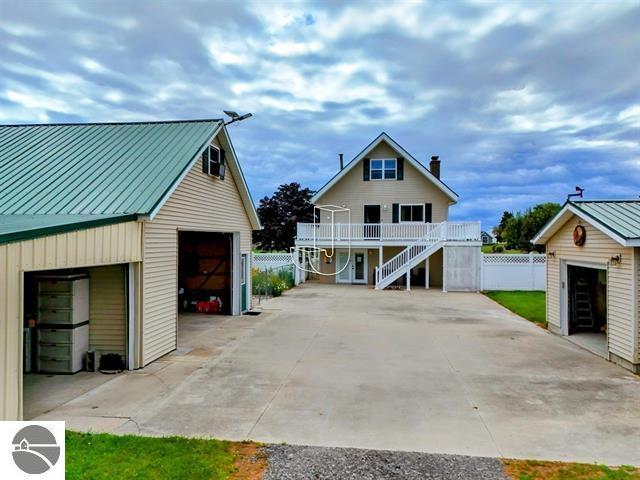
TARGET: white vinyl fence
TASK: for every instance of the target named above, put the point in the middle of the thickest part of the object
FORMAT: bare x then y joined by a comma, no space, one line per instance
514,272
265,261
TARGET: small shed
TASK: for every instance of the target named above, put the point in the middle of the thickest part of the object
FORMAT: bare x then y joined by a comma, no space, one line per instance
593,267
107,232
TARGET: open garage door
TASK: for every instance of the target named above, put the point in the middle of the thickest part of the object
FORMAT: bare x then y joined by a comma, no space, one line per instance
205,272
587,307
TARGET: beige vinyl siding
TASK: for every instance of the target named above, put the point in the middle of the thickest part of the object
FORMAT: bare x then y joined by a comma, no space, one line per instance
108,309
200,202
354,193
120,243
598,249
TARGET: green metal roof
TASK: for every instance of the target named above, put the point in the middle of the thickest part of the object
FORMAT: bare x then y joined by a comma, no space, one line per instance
620,216
14,228
95,169
619,219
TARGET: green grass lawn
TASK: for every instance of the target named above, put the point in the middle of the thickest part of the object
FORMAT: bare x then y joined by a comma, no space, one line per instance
530,305
103,456
108,457
538,470
490,248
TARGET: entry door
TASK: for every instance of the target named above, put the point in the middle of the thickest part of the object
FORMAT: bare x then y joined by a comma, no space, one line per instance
244,274
372,221
359,267
343,267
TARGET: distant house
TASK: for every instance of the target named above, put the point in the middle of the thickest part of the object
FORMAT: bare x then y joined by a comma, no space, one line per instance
153,216
382,220
593,277
487,238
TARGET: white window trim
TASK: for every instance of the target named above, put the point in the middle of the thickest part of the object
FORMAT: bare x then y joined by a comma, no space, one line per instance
212,147
395,168
410,205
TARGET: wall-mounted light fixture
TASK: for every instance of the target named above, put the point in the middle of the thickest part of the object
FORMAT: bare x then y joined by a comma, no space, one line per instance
616,259
551,254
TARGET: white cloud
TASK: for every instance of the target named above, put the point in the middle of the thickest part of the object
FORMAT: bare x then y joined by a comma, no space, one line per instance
529,110
22,50
20,30
289,49
114,96
32,100
630,115
91,65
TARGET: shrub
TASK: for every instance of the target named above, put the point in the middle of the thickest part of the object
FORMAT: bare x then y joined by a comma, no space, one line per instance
271,282
498,248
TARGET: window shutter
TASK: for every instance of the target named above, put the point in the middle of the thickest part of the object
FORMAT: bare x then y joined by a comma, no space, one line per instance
427,212
395,213
205,160
366,166
400,168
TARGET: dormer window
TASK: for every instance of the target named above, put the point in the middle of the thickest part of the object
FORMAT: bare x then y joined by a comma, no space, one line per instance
383,169
213,161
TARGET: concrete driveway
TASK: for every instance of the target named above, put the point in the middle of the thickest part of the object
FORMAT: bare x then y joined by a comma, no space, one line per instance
352,367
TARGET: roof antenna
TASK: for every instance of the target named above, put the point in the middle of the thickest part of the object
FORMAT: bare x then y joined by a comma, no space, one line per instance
235,117
578,194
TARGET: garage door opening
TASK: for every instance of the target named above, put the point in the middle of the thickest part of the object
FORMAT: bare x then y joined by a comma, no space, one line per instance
587,307
75,325
205,272
205,284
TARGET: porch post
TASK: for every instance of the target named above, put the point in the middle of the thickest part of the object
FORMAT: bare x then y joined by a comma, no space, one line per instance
304,266
380,257
408,279
426,273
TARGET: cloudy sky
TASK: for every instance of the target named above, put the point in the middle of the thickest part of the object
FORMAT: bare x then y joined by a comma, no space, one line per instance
521,100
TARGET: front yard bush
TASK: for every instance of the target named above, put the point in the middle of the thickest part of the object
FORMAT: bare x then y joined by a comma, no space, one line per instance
271,282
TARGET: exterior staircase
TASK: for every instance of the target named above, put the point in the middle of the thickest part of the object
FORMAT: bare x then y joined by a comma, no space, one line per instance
411,256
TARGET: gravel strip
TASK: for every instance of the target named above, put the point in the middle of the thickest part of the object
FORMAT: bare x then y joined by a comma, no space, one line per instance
289,462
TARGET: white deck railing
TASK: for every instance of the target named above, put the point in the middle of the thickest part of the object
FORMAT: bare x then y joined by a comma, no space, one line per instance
455,231
389,270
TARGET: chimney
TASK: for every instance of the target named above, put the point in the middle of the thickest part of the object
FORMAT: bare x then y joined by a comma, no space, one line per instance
341,161
434,166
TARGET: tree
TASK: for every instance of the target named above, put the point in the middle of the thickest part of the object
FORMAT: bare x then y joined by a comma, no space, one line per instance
520,228
497,231
280,214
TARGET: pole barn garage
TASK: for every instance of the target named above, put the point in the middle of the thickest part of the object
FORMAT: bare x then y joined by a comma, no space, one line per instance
593,267
107,232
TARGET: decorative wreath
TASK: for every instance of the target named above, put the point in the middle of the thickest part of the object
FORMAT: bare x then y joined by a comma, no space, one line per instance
579,235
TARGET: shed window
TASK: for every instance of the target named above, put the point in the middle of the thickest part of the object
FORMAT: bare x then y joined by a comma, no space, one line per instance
215,162
383,169
412,213
214,158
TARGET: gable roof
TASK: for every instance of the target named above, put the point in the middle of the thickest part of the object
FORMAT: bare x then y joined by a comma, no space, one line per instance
619,219
383,137
57,174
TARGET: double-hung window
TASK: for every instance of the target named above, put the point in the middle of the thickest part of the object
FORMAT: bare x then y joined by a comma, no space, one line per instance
383,169
412,213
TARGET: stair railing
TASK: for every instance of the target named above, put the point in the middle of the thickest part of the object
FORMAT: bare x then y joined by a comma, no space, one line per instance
435,234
